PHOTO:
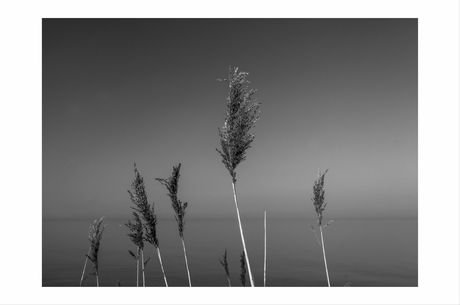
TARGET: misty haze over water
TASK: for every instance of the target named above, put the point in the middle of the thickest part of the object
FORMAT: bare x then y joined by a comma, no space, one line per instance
362,252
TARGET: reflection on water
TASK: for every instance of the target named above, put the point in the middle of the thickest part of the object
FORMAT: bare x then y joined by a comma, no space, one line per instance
365,253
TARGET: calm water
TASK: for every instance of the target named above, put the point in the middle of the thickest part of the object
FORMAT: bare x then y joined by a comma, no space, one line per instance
365,253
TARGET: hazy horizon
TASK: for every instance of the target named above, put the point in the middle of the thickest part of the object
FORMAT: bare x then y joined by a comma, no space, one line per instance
357,253
337,94
170,217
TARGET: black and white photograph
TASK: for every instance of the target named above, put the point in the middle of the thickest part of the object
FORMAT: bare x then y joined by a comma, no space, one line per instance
285,148
205,154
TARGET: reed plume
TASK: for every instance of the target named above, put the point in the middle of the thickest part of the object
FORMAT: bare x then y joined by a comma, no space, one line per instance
235,136
94,236
243,269
137,237
320,205
138,197
224,264
172,185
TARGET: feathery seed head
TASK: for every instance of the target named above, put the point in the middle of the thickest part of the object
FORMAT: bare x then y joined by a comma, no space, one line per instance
95,236
150,226
240,118
136,231
318,195
172,185
140,205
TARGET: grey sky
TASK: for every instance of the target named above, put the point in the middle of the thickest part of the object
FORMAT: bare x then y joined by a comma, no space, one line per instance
335,93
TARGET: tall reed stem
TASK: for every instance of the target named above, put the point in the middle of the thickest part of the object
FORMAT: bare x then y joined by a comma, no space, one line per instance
161,264
186,263
137,260
242,235
265,248
324,255
84,267
143,273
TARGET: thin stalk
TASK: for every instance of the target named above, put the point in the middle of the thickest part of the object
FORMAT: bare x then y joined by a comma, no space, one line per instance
242,235
314,232
161,264
265,248
324,255
186,262
228,280
137,278
143,273
84,267
97,278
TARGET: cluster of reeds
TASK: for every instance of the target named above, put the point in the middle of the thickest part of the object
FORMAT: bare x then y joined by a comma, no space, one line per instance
141,206
172,185
235,136
94,236
235,139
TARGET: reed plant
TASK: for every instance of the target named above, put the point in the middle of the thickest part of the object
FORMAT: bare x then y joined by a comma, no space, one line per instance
137,237
320,205
235,136
94,236
243,269
179,207
224,264
138,197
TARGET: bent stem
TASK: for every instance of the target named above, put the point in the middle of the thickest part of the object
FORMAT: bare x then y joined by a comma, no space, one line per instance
161,264
242,235
324,255
84,267
186,262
